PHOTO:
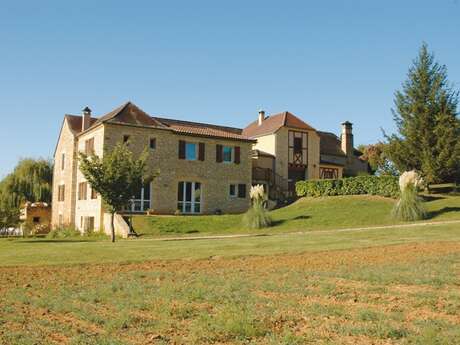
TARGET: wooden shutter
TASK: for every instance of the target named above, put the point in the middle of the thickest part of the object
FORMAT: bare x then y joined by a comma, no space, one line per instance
201,147
241,191
181,149
237,155
219,149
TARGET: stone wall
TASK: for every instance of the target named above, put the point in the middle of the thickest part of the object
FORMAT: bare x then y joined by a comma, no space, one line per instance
66,176
89,207
214,177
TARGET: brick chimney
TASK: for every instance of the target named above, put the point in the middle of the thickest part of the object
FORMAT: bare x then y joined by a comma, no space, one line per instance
347,138
261,117
86,119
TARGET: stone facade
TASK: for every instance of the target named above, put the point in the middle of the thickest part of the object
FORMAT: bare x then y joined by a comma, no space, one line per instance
63,209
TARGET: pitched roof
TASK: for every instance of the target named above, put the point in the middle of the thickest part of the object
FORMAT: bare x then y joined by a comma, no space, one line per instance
75,124
274,122
203,129
129,113
330,144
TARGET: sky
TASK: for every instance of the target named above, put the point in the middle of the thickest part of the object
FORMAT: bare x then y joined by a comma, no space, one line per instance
212,61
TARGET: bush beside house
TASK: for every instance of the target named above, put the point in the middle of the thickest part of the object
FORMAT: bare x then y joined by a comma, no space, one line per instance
386,186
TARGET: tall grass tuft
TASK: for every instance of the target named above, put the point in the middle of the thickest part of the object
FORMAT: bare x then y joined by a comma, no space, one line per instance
409,206
257,217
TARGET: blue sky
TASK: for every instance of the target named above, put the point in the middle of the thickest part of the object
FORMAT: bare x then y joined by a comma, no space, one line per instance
212,61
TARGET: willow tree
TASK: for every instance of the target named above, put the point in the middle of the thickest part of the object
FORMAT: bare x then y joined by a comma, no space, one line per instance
31,180
426,118
116,177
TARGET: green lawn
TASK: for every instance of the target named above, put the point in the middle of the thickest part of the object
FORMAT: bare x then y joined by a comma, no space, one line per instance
392,294
316,286
57,252
304,215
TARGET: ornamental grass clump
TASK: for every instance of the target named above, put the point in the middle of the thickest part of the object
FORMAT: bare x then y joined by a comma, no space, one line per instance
257,216
409,206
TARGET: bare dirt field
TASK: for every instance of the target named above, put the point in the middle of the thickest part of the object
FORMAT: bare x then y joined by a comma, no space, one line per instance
386,295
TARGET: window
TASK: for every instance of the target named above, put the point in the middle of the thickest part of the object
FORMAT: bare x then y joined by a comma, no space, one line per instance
61,220
87,223
82,190
153,143
232,190
63,161
141,199
61,192
242,191
189,197
125,139
329,173
190,151
237,190
89,146
36,219
93,194
227,154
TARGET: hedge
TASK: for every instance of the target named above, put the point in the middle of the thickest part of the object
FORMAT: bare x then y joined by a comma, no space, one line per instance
373,185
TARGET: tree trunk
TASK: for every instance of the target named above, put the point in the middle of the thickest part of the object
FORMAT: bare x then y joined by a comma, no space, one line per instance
112,216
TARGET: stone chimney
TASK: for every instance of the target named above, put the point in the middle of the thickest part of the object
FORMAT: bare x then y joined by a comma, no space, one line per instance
86,119
347,138
261,117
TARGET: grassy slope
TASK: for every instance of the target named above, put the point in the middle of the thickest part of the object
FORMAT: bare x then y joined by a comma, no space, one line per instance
56,252
304,215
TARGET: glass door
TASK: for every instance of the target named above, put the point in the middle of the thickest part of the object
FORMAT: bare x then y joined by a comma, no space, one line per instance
189,197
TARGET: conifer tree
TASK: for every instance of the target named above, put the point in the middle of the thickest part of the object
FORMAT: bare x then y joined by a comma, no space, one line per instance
428,138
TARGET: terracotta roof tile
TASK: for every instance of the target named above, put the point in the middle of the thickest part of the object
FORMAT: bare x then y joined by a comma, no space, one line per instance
75,122
203,129
274,122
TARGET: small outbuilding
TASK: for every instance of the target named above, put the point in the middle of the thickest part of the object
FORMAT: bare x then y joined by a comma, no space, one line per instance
35,218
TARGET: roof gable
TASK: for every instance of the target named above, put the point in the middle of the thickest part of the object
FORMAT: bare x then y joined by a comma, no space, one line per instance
274,122
129,113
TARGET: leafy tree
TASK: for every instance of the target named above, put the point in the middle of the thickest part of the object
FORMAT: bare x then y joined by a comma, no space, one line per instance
116,177
427,123
31,180
377,157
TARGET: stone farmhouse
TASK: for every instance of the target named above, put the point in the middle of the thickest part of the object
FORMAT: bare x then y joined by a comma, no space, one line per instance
203,168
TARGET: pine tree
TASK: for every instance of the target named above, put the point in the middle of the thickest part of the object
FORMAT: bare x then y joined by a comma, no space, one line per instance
428,138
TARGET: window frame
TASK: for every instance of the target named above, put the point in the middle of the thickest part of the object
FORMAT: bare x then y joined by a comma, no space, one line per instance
235,190
232,154
195,151
154,142
183,204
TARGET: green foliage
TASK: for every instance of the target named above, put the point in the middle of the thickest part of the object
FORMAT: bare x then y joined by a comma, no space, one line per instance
386,186
257,217
376,156
29,181
410,206
116,176
427,123
65,232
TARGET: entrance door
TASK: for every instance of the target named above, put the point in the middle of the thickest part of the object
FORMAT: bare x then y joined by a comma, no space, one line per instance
189,197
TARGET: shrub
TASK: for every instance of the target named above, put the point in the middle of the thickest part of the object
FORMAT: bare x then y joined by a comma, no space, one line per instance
64,232
410,206
386,186
257,216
